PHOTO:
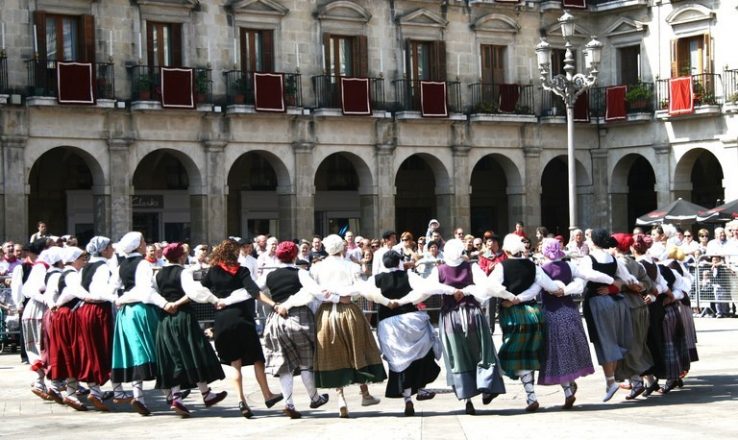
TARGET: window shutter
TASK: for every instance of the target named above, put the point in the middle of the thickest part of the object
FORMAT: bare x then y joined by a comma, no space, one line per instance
327,51
177,44
707,60
267,40
39,19
87,39
150,44
439,63
361,57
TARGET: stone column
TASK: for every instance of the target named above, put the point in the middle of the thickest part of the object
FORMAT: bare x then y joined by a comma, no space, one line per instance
14,223
304,211
516,207
585,199
598,209
730,179
531,215
461,212
287,220
662,170
385,189
101,206
215,188
121,190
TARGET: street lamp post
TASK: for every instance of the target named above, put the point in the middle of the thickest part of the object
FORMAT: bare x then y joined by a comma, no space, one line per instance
569,86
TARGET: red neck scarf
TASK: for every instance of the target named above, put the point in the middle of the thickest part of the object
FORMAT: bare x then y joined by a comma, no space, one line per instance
151,260
231,268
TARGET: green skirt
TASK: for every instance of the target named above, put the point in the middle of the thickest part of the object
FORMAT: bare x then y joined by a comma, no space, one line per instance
184,356
522,339
134,343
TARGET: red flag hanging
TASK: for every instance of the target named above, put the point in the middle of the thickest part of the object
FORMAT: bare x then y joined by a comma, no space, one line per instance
681,98
176,88
74,83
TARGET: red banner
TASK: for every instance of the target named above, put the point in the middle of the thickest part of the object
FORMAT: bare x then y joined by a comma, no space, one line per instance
615,97
176,88
75,83
579,4
355,97
509,95
433,99
681,98
269,92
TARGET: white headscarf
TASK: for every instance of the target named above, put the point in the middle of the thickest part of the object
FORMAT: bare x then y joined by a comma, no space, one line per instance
51,256
453,251
130,242
70,254
97,244
333,244
513,244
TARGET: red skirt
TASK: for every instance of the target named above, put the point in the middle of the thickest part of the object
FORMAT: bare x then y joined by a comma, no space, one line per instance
95,342
63,345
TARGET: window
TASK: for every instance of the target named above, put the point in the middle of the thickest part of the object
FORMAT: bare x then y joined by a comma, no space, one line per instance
426,60
65,37
257,50
557,61
164,44
493,64
345,55
691,56
630,64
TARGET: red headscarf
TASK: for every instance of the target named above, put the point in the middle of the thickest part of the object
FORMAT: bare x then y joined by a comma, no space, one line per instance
173,251
286,251
625,241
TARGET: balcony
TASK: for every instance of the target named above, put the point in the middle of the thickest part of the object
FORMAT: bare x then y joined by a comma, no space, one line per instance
428,99
609,5
275,92
81,83
336,95
730,82
154,87
632,103
553,109
502,103
707,96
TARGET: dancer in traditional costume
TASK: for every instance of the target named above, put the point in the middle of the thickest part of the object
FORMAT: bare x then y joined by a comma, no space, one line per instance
566,350
236,340
289,334
520,317
184,357
136,323
346,350
64,337
405,334
33,316
605,311
472,366
638,360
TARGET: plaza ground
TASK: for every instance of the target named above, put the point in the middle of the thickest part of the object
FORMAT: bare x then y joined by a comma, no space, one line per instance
705,408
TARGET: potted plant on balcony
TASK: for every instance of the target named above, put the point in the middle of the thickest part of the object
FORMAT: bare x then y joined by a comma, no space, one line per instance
486,107
290,90
143,84
238,90
201,85
639,97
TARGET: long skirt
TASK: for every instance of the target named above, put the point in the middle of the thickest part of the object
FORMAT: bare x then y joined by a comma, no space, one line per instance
611,318
469,354
690,333
411,348
32,334
183,356
566,355
96,342
655,338
64,359
638,359
289,343
134,343
346,351
522,339
235,335
676,354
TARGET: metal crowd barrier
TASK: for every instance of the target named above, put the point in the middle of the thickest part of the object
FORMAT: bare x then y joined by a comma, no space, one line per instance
714,285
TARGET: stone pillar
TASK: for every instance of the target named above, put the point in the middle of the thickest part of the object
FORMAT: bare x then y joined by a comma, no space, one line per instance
516,207
444,211
598,209
385,189
287,220
120,188
662,170
215,188
304,211
101,206
531,215
198,218
461,212
14,205
585,199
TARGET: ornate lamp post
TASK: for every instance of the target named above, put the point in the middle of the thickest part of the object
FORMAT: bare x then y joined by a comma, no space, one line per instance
569,86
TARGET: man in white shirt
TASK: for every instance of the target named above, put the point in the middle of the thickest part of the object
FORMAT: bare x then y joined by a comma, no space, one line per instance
390,239
352,251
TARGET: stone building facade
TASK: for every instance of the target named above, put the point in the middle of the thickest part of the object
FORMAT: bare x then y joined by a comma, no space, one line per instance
225,168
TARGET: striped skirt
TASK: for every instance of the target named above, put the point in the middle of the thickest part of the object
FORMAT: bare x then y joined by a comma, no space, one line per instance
289,343
346,351
676,354
522,339
134,343
469,354
638,359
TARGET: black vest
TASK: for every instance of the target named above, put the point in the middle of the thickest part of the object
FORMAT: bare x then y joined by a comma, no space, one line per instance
677,267
26,271
127,271
169,283
63,284
668,276
88,272
610,269
49,274
519,274
283,283
394,285
651,269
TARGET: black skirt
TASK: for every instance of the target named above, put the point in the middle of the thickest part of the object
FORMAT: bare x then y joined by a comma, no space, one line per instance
416,376
235,335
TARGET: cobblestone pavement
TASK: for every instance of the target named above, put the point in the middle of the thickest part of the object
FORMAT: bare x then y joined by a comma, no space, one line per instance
707,407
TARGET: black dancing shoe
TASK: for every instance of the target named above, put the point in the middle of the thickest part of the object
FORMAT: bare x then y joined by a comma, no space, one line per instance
319,401
273,401
470,409
245,410
650,389
488,397
409,409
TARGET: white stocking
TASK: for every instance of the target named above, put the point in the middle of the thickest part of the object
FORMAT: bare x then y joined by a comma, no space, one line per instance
286,382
